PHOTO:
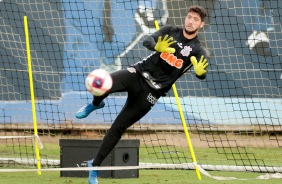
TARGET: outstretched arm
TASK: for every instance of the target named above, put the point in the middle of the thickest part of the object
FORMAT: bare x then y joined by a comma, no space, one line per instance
200,67
151,41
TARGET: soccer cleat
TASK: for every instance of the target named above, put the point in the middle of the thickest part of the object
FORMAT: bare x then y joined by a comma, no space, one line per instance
84,111
93,174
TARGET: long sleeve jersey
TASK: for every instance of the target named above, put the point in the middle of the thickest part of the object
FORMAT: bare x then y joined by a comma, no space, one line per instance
161,70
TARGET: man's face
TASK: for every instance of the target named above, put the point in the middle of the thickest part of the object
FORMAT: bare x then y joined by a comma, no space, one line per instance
193,23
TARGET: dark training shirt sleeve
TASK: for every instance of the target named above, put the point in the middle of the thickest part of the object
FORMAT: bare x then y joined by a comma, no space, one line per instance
149,43
201,53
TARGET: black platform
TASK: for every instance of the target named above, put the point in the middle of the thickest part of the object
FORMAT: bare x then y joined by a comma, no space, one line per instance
75,151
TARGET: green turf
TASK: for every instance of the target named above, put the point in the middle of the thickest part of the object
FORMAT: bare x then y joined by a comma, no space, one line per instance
222,156
212,156
146,177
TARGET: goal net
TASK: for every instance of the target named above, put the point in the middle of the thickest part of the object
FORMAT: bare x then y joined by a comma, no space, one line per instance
233,117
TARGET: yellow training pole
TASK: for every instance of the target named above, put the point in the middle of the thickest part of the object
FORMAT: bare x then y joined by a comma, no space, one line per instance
32,94
184,123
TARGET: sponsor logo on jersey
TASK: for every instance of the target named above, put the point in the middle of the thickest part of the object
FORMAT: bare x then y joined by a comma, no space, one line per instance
172,60
131,70
186,51
151,99
180,45
151,80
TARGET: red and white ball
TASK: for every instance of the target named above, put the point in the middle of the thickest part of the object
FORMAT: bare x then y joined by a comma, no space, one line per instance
98,82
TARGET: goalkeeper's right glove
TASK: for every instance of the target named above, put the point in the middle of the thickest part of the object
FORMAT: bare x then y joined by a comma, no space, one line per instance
163,44
199,67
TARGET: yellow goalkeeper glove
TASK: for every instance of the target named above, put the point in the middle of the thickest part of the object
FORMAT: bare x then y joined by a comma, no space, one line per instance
163,44
199,67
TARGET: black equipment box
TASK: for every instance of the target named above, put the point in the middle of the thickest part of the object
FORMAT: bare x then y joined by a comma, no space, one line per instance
74,153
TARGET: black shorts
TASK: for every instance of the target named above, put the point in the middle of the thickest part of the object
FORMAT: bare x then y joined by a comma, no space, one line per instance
140,100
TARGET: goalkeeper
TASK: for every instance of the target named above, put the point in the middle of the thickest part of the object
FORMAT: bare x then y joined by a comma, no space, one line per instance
176,51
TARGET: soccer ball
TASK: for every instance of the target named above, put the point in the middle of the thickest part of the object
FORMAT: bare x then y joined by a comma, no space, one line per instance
98,82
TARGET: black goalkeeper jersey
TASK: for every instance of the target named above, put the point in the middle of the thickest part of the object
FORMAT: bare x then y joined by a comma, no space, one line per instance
161,70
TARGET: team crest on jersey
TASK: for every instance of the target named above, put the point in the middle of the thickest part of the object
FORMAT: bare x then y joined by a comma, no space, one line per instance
186,51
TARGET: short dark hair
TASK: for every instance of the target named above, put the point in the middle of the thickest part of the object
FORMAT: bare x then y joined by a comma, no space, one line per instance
198,9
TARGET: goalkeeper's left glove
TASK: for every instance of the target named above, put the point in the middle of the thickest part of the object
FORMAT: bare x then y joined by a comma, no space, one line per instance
199,67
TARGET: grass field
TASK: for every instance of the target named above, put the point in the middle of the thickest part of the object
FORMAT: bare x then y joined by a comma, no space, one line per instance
146,177
264,157
218,156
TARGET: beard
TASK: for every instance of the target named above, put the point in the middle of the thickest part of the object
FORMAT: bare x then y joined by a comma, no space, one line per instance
190,32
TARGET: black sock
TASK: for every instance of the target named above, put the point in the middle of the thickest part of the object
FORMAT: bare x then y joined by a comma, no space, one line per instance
97,100
98,160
